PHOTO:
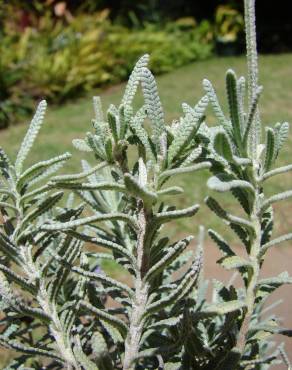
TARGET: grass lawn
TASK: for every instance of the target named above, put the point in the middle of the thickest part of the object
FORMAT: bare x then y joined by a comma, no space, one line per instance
72,120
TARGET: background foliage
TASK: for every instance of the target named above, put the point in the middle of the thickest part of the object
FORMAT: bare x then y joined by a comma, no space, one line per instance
77,57
62,58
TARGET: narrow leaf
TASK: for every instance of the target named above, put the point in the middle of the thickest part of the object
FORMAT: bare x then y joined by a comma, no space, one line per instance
134,80
30,136
270,148
153,104
251,115
216,106
215,183
189,126
234,262
169,257
223,146
231,85
181,170
42,169
113,320
164,217
224,307
222,244
56,226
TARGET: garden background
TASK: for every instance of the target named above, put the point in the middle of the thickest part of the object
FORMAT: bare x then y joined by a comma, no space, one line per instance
68,51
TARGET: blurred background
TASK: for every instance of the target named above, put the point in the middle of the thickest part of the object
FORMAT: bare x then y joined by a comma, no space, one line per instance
62,49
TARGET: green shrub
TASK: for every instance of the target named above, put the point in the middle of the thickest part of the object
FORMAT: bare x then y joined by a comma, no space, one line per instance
229,24
56,302
62,62
170,48
14,102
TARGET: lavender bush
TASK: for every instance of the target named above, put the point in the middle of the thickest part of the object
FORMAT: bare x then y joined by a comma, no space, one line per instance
59,310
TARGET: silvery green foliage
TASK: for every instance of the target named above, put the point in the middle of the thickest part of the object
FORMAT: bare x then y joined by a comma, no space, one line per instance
60,310
242,164
51,282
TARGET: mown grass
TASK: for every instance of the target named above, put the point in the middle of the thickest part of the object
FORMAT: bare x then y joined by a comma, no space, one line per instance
62,124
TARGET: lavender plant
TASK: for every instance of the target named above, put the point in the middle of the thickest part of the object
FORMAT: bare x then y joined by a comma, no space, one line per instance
242,166
60,310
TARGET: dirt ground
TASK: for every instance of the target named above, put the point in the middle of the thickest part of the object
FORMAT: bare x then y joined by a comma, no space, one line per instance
279,259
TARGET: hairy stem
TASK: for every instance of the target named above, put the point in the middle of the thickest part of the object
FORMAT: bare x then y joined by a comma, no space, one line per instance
33,273
56,330
251,48
49,308
140,299
255,218
253,280
252,72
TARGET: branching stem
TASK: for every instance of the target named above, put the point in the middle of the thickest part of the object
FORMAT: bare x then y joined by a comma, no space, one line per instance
255,218
57,331
253,279
50,310
141,295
